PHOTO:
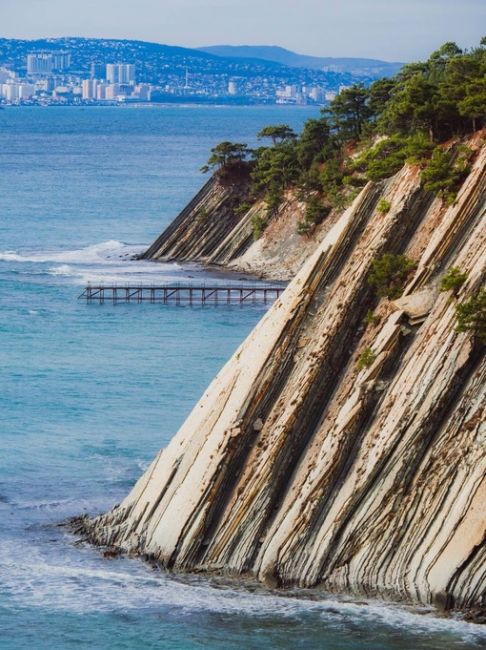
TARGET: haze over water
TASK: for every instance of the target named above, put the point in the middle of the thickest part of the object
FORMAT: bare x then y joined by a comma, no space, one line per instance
89,393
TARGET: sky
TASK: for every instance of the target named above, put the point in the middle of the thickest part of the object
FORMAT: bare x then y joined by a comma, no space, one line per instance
393,30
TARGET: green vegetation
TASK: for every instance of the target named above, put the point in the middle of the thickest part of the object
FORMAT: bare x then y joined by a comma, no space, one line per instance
383,206
372,318
445,172
258,224
389,274
366,358
242,209
471,316
224,155
388,156
453,280
278,134
275,169
368,133
315,213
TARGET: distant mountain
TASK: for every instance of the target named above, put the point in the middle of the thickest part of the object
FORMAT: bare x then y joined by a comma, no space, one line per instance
151,58
275,54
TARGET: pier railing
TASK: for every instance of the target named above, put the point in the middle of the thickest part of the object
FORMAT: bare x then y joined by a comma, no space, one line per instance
182,294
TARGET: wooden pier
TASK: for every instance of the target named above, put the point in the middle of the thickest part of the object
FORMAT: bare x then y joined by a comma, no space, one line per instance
182,294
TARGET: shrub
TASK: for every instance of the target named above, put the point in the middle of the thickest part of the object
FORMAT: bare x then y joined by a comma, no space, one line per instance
372,318
383,160
273,200
453,279
241,209
258,224
389,274
445,172
338,198
418,148
331,175
383,206
366,358
315,212
471,316
354,181
303,227
388,156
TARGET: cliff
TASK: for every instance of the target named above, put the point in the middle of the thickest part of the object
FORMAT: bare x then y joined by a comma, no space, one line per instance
216,229
302,466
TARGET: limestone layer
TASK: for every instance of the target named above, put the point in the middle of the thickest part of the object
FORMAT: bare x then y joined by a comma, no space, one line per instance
299,468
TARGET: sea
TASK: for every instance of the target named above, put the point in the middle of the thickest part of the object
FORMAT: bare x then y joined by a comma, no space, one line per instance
89,393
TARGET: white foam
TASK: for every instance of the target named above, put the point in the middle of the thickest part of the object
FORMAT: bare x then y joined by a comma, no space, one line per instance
107,262
79,580
97,253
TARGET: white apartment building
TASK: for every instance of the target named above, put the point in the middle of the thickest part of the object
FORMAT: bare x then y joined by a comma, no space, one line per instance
89,88
120,73
101,91
112,91
40,63
317,94
16,92
291,91
44,63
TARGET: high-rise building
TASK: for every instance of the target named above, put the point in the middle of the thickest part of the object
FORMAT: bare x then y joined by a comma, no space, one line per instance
61,60
112,91
120,73
232,88
101,90
317,94
89,88
43,63
291,91
40,63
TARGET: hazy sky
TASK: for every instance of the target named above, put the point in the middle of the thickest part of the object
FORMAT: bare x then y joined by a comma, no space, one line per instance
400,30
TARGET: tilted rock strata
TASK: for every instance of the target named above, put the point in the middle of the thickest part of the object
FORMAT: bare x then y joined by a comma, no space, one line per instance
299,468
202,227
215,229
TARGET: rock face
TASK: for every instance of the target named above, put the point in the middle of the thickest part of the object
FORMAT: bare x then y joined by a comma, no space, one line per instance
199,232
215,229
298,467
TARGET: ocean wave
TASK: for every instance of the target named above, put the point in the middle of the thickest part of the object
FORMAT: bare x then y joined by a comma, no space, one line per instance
107,262
81,581
104,252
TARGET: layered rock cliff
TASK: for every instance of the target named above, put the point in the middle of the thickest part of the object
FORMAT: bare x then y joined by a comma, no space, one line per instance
216,229
299,465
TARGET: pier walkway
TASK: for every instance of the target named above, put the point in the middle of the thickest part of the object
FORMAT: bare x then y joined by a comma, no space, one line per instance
182,294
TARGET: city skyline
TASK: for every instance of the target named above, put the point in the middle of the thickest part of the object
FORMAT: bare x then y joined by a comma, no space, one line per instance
73,71
388,30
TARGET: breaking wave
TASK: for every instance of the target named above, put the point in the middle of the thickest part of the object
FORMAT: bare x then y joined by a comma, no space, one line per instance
105,252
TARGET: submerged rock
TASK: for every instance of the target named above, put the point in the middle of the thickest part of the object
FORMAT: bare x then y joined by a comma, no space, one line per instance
301,467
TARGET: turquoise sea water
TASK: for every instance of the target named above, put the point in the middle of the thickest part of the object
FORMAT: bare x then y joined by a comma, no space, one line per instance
89,393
